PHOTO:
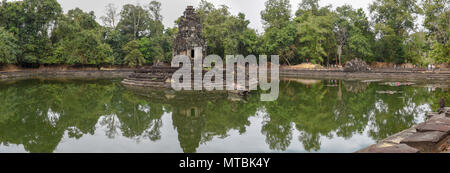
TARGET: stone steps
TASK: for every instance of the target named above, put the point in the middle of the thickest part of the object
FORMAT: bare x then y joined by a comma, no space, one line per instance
432,136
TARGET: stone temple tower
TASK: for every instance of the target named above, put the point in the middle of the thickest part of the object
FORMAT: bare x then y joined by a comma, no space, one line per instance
189,40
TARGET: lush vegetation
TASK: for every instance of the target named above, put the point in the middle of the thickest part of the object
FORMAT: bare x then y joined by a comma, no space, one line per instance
35,32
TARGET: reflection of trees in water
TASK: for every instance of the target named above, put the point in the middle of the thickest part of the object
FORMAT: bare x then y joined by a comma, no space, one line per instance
307,108
37,114
353,109
310,141
200,121
278,132
319,111
112,124
41,111
136,117
400,110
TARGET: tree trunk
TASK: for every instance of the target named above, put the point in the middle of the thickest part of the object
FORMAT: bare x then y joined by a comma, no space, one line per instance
339,53
136,22
289,64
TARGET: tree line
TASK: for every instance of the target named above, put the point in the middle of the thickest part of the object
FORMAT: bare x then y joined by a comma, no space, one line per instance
325,35
35,32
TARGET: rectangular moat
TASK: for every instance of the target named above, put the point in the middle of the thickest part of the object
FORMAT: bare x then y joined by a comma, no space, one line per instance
310,115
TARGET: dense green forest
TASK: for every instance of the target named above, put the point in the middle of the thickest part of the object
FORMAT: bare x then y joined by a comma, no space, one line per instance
35,32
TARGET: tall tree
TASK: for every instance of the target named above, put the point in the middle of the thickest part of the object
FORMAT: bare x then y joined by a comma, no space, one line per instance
156,26
3,11
113,36
116,41
282,42
226,34
31,21
157,49
308,5
315,37
112,15
8,47
353,34
133,56
342,28
157,45
86,49
134,22
277,13
395,19
150,49
437,22
279,32
416,46
78,40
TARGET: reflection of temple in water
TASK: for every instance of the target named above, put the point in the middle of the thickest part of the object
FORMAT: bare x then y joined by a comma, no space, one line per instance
189,128
191,112
188,109
356,86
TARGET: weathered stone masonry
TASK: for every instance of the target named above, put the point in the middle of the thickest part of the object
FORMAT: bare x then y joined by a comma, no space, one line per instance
189,40
432,136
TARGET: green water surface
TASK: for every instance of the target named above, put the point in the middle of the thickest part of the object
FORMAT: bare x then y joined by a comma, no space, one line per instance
39,115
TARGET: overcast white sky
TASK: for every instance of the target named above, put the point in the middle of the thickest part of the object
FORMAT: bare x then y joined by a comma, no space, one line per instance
172,9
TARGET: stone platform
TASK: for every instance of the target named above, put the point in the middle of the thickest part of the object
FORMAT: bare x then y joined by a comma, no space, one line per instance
432,136
161,77
158,77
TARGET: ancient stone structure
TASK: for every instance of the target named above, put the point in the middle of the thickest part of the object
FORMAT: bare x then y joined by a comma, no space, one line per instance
161,78
158,77
356,65
432,136
189,40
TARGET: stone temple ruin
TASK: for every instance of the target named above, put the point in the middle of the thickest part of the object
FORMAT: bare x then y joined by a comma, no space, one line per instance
189,40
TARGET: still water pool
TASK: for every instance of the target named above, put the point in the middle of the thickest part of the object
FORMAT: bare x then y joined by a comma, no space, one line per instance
40,115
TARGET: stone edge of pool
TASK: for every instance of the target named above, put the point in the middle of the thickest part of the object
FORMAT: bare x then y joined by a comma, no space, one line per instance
375,74
304,73
25,74
431,136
